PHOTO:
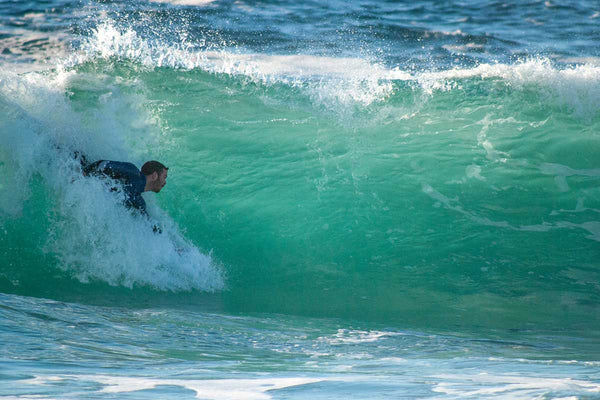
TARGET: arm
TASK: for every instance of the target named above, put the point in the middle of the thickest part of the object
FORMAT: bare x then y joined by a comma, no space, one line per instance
139,204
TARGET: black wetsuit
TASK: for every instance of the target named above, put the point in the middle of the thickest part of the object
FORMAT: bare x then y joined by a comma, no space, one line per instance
132,180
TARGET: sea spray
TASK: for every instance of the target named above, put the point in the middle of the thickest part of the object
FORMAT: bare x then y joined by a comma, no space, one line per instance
91,235
343,80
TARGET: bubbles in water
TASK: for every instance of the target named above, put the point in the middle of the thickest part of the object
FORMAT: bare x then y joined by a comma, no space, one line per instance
93,235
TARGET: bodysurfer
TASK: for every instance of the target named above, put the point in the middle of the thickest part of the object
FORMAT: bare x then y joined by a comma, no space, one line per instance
151,178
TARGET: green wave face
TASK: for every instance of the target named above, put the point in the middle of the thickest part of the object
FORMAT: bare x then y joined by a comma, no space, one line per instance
466,198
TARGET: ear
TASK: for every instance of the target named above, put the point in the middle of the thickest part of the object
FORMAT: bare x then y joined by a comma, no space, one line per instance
154,175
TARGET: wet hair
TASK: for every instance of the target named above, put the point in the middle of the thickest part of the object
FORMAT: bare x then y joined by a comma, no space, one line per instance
151,167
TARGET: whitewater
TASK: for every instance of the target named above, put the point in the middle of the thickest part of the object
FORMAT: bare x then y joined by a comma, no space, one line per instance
365,199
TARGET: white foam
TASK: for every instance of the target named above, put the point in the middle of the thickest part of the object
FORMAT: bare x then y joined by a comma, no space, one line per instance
484,141
343,79
474,172
561,173
581,60
465,48
242,389
28,397
92,235
243,6
437,34
592,227
345,336
327,79
563,170
509,386
577,87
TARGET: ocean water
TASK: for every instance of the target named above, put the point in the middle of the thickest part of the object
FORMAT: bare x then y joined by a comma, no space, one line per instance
367,199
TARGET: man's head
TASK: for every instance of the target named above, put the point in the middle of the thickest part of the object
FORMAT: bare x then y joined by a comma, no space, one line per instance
156,175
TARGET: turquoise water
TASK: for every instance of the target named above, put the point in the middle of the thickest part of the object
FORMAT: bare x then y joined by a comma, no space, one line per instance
367,199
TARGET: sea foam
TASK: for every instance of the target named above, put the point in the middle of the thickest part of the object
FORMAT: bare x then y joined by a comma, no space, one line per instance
92,236
341,80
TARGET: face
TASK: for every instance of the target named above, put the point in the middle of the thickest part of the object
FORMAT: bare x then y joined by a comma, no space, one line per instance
161,180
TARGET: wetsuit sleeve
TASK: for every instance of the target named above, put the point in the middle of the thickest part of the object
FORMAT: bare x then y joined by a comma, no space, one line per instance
92,168
137,202
122,171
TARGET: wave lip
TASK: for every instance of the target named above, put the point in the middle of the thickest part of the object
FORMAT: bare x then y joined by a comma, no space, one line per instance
343,80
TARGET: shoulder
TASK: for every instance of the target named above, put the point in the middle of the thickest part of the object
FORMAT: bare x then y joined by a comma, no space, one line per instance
124,167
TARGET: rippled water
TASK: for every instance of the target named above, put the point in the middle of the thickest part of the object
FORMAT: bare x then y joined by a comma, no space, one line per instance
365,199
